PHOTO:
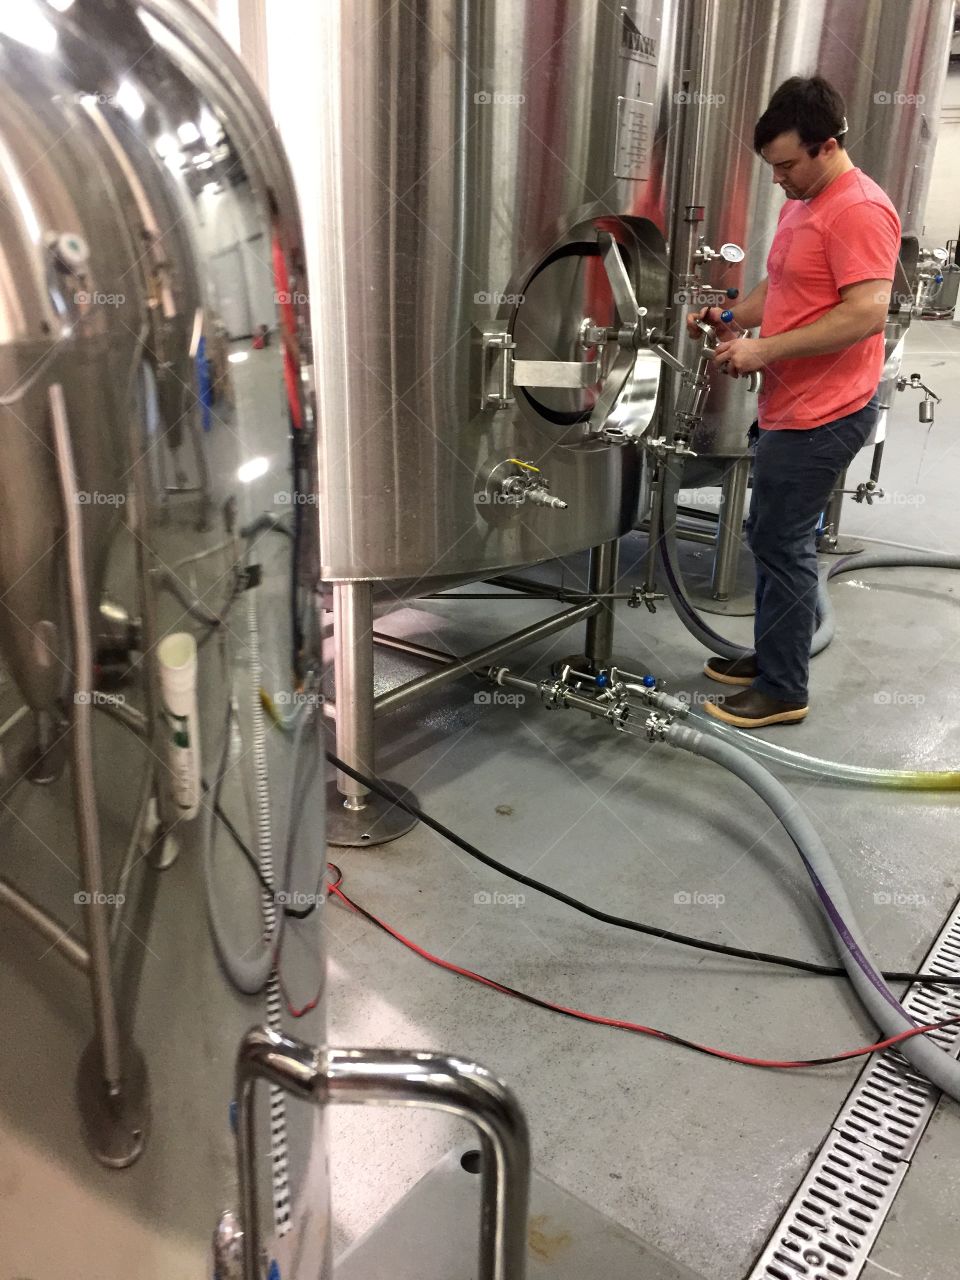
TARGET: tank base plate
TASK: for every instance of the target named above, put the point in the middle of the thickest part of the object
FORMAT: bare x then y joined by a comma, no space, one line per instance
378,822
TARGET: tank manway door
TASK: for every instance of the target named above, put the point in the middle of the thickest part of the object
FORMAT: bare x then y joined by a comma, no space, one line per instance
578,347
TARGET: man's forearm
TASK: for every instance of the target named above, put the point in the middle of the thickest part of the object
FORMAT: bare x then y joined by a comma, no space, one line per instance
748,313
841,327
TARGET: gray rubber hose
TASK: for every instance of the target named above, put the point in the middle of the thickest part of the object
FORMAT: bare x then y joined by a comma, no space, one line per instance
876,997
826,623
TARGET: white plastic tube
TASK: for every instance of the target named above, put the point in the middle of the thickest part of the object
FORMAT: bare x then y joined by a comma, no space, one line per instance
177,655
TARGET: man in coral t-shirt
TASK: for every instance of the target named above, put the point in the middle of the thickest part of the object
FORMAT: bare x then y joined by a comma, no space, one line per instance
821,310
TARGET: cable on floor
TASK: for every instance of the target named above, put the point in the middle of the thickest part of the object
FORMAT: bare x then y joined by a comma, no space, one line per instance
620,922
622,1024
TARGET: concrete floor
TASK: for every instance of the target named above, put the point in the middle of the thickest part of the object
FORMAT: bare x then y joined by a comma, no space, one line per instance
696,1156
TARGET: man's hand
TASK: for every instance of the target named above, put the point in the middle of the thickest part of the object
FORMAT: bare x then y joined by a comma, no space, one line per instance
711,315
740,356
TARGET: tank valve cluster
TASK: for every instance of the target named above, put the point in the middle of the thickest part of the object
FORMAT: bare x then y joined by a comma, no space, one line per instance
514,481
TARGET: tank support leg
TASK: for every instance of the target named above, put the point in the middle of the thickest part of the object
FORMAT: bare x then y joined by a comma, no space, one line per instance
355,815
733,496
602,582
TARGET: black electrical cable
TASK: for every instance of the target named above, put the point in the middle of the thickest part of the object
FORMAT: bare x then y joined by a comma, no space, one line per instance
291,913
620,922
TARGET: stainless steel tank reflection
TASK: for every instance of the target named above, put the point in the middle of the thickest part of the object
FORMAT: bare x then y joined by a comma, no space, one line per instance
888,60
71,312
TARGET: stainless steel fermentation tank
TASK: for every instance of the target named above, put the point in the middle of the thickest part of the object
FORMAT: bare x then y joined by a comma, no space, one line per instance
467,165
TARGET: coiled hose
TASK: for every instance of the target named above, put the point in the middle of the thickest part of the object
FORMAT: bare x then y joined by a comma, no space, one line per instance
826,624
876,997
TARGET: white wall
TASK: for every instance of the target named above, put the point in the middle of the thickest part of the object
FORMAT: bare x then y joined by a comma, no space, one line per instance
942,214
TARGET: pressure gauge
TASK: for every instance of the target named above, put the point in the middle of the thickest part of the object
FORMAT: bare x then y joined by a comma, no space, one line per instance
731,253
940,255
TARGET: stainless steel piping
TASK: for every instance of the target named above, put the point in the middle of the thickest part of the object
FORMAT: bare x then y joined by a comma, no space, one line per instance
733,493
57,934
481,658
95,911
415,650
395,1077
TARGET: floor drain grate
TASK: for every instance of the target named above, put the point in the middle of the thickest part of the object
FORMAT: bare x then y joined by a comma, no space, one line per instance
835,1216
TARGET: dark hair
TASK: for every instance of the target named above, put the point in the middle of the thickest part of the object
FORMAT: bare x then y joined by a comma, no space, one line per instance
810,105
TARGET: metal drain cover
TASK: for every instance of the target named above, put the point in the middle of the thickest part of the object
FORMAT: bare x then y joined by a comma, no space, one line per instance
835,1216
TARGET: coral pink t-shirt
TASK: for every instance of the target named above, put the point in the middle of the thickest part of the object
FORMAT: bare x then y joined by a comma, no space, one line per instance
848,233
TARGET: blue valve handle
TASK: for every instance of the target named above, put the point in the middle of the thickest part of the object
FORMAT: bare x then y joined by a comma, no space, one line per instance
733,293
726,316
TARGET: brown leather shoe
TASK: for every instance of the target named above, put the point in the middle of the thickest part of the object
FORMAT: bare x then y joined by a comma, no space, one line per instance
752,709
732,670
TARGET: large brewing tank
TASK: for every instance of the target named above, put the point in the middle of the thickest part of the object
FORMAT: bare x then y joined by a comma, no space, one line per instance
71,312
458,163
887,58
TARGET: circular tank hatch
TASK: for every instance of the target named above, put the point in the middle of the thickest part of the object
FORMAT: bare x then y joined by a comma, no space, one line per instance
571,286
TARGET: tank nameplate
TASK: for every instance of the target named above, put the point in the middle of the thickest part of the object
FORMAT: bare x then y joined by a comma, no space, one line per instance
634,133
639,54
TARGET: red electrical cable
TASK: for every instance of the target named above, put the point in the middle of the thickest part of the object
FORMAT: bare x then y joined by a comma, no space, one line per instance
622,1024
298,1011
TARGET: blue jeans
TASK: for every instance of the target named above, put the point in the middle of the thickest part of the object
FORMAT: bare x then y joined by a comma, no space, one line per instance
794,473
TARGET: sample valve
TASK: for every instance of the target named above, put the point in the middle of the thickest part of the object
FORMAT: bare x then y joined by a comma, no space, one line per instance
930,398
514,482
